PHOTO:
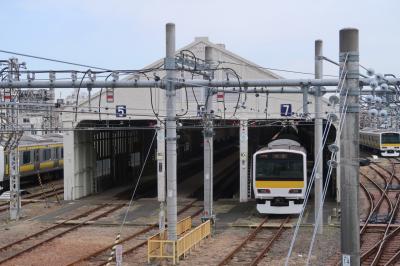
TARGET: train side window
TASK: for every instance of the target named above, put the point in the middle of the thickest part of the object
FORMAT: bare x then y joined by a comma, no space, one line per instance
26,157
62,153
46,154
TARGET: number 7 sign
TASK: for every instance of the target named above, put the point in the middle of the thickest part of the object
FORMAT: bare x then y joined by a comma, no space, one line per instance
286,109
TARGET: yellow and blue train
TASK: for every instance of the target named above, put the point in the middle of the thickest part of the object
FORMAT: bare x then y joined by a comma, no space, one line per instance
37,155
384,142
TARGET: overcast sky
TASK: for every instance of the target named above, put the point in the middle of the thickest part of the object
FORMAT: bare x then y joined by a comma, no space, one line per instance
124,34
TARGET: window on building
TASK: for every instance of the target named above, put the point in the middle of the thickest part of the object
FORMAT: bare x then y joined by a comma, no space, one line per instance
25,120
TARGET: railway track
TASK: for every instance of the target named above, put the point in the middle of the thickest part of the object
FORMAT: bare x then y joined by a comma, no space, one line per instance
380,229
380,239
31,198
20,247
132,242
255,246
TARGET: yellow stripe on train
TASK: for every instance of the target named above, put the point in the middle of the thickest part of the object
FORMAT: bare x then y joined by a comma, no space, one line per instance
279,184
396,145
46,165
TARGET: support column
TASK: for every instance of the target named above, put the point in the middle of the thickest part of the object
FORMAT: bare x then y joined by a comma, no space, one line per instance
161,173
70,146
208,134
349,148
243,161
169,66
318,138
15,198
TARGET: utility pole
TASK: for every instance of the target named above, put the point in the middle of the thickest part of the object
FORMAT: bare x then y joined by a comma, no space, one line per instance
318,138
349,147
12,121
169,66
208,142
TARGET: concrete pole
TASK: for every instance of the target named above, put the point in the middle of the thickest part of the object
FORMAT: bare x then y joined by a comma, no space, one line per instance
169,65
161,174
12,116
243,161
208,144
349,148
318,137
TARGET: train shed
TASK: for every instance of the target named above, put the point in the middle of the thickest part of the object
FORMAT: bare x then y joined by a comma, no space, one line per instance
110,136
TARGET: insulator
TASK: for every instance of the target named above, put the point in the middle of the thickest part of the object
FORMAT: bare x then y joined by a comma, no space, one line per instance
383,113
373,84
333,148
332,163
373,112
334,99
332,117
370,72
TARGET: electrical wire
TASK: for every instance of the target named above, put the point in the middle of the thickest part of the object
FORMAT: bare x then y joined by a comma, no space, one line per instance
52,60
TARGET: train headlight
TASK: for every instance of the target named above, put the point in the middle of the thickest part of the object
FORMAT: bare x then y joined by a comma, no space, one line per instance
294,191
263,190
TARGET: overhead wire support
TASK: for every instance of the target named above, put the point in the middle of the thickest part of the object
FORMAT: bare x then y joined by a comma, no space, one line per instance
228,84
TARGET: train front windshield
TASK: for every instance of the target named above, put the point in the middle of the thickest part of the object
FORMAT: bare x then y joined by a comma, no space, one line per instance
390,138
279,166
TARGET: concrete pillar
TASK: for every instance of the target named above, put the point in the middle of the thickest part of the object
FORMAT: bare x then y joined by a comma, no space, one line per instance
169,65
318,138
208,144
349,148
243,161
161,173
69,164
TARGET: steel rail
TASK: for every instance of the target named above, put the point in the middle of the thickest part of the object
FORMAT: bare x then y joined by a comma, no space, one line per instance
247,239
380,250
145,241
61,233
143,231
371,206
270,243
33,195
50,194
50,228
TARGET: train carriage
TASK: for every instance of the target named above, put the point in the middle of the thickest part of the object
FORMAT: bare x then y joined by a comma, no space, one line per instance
37,155
386,143
280,177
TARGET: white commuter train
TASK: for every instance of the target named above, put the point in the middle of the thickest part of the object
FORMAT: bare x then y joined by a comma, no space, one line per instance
280,177
386,143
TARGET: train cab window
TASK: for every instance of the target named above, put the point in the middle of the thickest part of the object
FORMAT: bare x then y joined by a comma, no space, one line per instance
46,154
61,153
390,138
279,166
26,157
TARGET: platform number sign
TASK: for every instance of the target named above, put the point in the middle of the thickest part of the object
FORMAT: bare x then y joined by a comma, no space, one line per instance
286,109
120,111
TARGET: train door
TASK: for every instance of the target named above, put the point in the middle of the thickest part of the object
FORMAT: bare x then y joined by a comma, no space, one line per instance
36,159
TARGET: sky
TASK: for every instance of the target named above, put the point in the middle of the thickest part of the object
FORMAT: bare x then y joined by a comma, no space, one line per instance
130,34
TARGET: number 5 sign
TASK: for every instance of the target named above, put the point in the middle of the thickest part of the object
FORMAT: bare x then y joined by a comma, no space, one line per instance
120,111
286,109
